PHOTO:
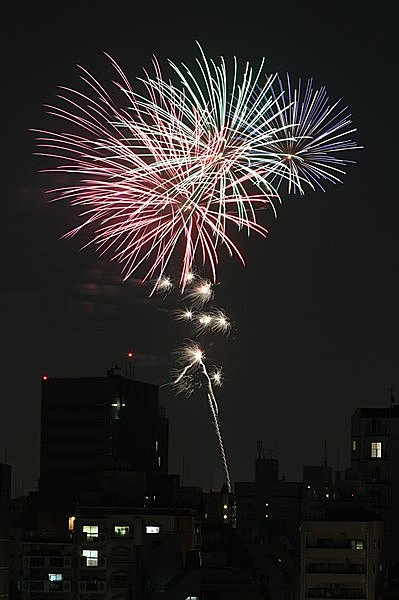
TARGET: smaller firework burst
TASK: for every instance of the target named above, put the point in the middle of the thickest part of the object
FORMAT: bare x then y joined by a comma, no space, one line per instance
200,293
163,286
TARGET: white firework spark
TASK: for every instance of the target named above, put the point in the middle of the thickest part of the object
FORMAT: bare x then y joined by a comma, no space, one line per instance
200,294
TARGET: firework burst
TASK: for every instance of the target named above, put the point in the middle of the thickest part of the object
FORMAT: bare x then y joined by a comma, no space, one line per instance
175,170
316,133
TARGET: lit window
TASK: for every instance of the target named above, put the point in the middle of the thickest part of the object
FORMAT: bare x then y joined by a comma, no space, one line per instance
152,529
71,523
91,532
115,408
192,598
159,461
55,581
156,445
357,544
121,530
376,449
354,445
91,557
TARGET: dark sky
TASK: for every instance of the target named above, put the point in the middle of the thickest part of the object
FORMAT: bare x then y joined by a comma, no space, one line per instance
315,311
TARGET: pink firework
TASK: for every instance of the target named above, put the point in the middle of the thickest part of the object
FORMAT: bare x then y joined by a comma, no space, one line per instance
172,172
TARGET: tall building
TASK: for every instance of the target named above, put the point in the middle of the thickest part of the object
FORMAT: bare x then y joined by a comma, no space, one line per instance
5,492
341,556
268,520
375,460
94,427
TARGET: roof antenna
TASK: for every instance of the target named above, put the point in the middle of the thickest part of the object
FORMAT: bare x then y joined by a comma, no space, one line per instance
259,447
129,366
325,455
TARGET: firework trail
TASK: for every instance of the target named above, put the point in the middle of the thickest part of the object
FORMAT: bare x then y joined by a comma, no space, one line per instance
195,356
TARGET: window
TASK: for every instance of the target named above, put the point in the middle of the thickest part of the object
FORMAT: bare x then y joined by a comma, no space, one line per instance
376,426
91,557
71,523
357,544
55,581
376,449
121,530
152,528
192,598
156,445
91,532
36,586
354,445
115,408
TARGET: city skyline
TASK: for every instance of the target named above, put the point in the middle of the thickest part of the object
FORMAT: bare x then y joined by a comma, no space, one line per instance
314,312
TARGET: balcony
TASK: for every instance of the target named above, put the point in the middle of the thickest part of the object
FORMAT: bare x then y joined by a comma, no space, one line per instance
94,586
349,594
121,558
32,562
334,545
92,538
44,586
352,569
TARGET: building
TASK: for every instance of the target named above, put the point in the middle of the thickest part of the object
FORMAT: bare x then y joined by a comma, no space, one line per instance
94,427
105,552
5,495
341,556
375,461
268,514
268,506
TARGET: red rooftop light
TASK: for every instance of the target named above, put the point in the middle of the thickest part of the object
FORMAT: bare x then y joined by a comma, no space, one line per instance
130,354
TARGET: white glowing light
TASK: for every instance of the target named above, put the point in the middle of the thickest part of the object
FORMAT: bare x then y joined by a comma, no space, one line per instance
205,319
217,377
164,285
220,322
201,293
184,315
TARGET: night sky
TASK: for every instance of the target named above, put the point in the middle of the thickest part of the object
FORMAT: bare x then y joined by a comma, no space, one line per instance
315,311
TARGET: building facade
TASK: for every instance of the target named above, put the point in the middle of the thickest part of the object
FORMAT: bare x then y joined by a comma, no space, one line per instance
341,559
375,460
107,553
91,427
5,495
